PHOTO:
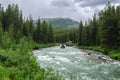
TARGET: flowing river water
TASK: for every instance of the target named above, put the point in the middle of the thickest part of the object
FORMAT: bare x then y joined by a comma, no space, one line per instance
79,64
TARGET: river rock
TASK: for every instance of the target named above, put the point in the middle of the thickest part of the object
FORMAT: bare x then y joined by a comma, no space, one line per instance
69,43
62,46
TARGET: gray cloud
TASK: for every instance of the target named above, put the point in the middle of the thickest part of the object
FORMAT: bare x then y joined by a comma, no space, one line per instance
86,11
60,3
94,3
75,9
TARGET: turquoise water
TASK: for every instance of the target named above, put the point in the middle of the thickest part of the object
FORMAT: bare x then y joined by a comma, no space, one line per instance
78,64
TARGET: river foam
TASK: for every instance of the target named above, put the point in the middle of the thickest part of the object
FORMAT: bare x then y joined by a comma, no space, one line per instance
78,64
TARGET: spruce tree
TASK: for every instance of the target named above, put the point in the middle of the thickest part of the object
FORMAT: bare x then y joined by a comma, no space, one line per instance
37,34
31,26
50,33
45,32
93,30
1,34
80,34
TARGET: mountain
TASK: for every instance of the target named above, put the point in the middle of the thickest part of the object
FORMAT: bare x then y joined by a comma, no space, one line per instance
61,22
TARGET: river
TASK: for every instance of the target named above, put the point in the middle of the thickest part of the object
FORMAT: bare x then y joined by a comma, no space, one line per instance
79,64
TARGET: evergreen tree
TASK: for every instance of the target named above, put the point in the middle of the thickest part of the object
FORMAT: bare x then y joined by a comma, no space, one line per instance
93,30
20,22
50,34
80,34
37,34
45,32
8,18
31,26
109,28
1,34
25,29
0,13
11,32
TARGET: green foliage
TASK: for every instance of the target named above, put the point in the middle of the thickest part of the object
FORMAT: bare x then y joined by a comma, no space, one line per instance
31,27
4,74
115,54
103,34
95,48
102,31
6,41
39,46
45,32
88,34
50,33
16,44
1,34
11,32
38,33
85,39
80,34
109,31
19,64
93,31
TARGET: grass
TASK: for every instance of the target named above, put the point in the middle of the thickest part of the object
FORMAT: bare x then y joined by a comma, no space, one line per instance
39,46
114,53
18,63
3,73
95,48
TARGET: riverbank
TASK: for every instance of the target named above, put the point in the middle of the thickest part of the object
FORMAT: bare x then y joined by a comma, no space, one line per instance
39,46
115,53
17,63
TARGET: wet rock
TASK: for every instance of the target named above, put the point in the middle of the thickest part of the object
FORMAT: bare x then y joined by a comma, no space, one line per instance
69,43
62,46
99,57
89,53
53,57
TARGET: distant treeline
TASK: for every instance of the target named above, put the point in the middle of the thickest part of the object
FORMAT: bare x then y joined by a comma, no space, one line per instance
64,35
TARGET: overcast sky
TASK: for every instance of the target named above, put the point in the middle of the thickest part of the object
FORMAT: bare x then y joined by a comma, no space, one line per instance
75,9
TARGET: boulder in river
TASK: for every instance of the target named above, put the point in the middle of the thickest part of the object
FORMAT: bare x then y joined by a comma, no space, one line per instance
89,53
69,43
62,46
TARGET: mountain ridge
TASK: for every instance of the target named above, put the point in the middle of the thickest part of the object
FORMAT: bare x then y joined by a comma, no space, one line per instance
60,22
